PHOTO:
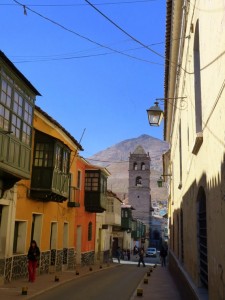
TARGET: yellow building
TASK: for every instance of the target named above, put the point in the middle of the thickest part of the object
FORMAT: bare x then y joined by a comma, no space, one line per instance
42,211
17,98
194,127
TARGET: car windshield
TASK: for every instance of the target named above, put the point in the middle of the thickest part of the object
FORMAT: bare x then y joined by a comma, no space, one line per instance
151,249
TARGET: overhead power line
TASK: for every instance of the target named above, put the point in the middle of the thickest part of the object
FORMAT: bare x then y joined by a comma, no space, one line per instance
84,4
25,8
124,31
168,61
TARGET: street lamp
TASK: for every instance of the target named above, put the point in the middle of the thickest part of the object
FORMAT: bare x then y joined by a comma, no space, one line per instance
161,179
160,182
155,114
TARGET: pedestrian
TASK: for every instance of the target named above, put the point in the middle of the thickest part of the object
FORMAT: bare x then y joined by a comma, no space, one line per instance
118,254
135,251
141,257
163,255
33,259
128,254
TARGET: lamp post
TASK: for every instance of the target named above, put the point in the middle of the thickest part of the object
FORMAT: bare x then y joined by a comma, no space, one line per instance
161,179
155,114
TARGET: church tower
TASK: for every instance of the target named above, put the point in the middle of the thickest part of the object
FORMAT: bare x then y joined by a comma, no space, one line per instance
139,183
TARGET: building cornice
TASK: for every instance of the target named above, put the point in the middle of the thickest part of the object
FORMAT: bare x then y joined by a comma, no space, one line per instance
173,28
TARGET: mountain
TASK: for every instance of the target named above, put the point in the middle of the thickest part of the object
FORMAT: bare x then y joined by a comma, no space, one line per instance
116,157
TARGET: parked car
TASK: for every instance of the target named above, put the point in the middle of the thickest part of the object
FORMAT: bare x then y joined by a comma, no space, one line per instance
152,252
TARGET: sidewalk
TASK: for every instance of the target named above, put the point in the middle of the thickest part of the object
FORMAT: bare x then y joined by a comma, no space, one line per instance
13,290
160,286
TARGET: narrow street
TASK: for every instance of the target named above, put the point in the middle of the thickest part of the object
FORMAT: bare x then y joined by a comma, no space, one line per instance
110,284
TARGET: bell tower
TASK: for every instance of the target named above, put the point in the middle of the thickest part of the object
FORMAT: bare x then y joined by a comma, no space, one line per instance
139,183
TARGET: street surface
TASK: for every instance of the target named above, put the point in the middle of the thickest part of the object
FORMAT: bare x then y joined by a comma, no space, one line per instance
111,284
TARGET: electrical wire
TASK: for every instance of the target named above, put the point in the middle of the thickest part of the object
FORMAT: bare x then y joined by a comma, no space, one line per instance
43,58
83,4
168,61
25,8
119,161
125,32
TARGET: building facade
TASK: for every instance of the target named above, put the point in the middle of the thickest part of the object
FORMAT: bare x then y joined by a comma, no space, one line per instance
139,183
17,101
47,219
194,127
106,223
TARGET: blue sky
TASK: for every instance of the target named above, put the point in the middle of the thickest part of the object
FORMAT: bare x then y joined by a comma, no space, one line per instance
84,85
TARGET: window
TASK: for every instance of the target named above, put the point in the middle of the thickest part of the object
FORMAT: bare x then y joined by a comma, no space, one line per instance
110,205
18,104
202,237
58,157
16,126
180,156
53,242
16,113
78,179
65,242
197,81
89,231
43,155
19,241
65,161
138,181
135,166
6,94
92,181
103,184
142,166
26,130
4,117
36,228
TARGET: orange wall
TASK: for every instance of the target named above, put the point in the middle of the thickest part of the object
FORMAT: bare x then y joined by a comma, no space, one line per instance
82,218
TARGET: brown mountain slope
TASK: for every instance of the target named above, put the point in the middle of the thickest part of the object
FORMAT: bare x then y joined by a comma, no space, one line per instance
116,157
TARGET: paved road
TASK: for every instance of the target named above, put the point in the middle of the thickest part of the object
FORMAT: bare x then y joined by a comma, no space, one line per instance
111,284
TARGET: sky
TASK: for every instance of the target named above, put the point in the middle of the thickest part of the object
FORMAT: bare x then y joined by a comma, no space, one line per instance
96,77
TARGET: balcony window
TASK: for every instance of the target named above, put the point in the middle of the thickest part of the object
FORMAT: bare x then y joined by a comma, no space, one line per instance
43,155
16,110
4,117
92,182
50,173
65,162
95,191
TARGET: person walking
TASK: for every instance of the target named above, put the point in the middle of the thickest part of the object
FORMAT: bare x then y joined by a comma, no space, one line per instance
141,257
118,254
33,259
163,255
128,254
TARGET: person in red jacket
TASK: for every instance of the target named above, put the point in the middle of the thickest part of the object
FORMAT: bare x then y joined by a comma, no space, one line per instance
33,259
